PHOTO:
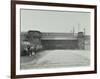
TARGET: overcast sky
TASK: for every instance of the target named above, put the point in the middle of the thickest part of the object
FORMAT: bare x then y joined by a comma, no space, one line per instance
54,21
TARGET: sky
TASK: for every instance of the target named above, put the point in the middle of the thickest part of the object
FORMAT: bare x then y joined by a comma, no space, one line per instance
54,21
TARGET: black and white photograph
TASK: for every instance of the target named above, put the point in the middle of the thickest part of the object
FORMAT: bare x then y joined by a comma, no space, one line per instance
51,39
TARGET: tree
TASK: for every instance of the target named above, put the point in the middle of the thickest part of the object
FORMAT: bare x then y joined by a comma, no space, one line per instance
34,37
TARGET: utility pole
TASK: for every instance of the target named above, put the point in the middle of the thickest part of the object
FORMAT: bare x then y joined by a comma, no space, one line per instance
73,31
78,27
84,31
84,38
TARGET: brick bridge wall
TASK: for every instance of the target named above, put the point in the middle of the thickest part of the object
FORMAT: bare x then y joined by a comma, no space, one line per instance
79,43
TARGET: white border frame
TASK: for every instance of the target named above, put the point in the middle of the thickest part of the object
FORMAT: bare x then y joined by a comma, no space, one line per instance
53,70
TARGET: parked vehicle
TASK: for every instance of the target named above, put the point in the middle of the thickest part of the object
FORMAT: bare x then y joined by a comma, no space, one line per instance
24,48
28,49
31,43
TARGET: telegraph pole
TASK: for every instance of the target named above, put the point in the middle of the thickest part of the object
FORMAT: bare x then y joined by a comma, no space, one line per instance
78,27
84,31
84,38
73,31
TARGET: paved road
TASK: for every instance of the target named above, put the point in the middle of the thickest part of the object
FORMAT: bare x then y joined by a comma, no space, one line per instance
57,58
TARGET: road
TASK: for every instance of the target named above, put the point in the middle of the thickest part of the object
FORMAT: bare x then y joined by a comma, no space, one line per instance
56,58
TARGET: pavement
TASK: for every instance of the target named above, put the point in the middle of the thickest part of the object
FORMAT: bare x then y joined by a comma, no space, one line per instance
56,58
